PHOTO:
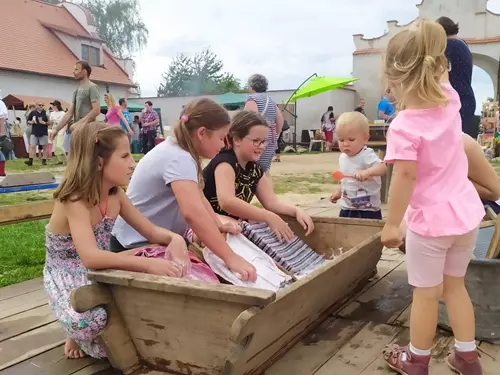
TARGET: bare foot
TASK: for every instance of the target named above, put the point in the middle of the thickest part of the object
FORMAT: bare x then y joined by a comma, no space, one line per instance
72,350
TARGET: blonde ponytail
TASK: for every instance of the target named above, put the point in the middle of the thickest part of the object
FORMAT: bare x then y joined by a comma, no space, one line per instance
415,61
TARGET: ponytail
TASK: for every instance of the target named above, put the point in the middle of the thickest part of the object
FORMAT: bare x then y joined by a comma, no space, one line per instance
185,140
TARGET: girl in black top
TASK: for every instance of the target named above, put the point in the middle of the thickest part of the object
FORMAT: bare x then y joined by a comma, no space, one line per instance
233,177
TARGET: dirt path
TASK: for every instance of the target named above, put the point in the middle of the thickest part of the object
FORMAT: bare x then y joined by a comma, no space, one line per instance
306,164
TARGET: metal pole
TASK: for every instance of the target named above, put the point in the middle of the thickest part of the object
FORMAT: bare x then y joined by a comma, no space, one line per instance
295,110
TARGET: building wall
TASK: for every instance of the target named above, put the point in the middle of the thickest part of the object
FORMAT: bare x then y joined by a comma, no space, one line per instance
478,26
309,110
45,86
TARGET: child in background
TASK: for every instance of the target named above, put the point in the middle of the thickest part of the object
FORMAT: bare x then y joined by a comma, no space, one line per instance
77,237
167,186
134,139
431,192
359,194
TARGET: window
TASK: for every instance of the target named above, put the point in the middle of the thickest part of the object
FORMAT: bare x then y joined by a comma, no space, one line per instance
91,55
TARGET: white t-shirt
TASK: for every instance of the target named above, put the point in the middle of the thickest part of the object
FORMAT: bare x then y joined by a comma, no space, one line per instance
356,195
151,192
5,115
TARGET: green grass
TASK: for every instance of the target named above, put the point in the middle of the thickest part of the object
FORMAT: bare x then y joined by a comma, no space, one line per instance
25,197
22,254
302,184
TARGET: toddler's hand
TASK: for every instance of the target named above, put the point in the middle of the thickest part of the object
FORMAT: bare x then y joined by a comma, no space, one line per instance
362,176
336,195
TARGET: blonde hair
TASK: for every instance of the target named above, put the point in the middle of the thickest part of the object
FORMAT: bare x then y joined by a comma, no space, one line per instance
349,119
199,113
82,179
110,100
415,61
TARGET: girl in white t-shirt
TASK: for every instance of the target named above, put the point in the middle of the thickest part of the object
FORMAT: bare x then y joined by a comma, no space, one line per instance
54,119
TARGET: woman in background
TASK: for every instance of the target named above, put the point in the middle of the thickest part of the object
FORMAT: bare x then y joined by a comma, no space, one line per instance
259,101
460,66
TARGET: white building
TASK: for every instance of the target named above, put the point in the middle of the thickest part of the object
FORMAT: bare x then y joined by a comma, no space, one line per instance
41,43
479,27
308,110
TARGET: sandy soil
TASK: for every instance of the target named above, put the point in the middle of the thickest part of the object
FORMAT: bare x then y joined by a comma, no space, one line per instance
306,164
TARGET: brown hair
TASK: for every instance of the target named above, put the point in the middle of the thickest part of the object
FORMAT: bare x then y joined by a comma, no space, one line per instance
415,61
199,113
241,125
85,66
82,179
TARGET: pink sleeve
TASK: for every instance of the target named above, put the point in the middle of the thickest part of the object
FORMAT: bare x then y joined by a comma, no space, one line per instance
401,145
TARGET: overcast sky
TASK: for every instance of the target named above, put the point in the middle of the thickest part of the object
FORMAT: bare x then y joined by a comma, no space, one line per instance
287,40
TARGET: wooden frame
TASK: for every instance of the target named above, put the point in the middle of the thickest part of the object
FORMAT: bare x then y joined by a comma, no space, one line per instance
182,326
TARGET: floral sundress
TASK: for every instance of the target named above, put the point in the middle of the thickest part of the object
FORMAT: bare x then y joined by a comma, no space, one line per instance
63,272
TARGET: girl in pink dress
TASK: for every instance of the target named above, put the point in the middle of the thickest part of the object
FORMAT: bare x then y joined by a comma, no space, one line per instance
431,192
115,114
87,202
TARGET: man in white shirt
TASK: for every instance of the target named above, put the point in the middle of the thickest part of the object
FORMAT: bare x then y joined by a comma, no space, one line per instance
4,116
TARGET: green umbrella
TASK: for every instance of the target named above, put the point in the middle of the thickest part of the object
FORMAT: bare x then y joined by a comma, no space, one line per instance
317,85
230,98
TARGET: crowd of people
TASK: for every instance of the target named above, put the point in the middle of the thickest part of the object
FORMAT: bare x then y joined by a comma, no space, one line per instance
434,206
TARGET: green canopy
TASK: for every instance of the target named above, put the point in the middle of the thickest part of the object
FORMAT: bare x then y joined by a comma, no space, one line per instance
318,85
231,99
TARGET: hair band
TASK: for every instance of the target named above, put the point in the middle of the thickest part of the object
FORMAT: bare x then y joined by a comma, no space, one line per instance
184,118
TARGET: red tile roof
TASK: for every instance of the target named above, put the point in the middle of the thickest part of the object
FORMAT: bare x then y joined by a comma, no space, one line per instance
28,26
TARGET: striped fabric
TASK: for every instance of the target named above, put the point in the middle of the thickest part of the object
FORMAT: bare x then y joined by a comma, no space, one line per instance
270,115
294,256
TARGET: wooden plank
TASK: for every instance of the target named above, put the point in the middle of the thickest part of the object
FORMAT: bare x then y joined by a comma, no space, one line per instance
384,302
22,303
491,350
25,321
316,348
404,318
23,179
392,254
51,362
315,211
101,367
31,344
360,351
222,292
26,212
21,288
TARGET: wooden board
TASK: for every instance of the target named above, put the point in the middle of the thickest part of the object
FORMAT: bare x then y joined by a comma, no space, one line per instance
25,212
25,302
23,179
21,288
30,344
385,301
25,321
51,362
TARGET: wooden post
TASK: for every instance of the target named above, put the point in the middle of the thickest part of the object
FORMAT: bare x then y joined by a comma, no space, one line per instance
119,347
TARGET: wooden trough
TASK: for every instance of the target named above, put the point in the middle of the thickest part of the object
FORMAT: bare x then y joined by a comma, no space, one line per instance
186,327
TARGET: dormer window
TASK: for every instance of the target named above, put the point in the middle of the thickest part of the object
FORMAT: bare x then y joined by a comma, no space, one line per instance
91,55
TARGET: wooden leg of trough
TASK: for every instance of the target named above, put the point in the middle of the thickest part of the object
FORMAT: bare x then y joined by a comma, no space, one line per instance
120,349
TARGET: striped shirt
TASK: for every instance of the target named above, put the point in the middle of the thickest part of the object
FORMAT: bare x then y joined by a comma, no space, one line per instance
270,114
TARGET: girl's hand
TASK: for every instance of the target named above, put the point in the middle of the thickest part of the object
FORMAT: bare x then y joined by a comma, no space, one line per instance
231,227
162,267
279,226
304,220
392,236
179,255
241,268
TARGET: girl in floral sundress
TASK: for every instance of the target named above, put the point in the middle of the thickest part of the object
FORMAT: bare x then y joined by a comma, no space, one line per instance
87,203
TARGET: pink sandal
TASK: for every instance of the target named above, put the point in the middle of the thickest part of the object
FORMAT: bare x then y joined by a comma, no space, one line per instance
401,360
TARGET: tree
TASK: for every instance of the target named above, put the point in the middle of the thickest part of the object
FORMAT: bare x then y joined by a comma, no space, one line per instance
118,23
198,75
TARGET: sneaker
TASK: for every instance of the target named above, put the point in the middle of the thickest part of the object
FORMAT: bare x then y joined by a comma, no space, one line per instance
465,363
401,360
